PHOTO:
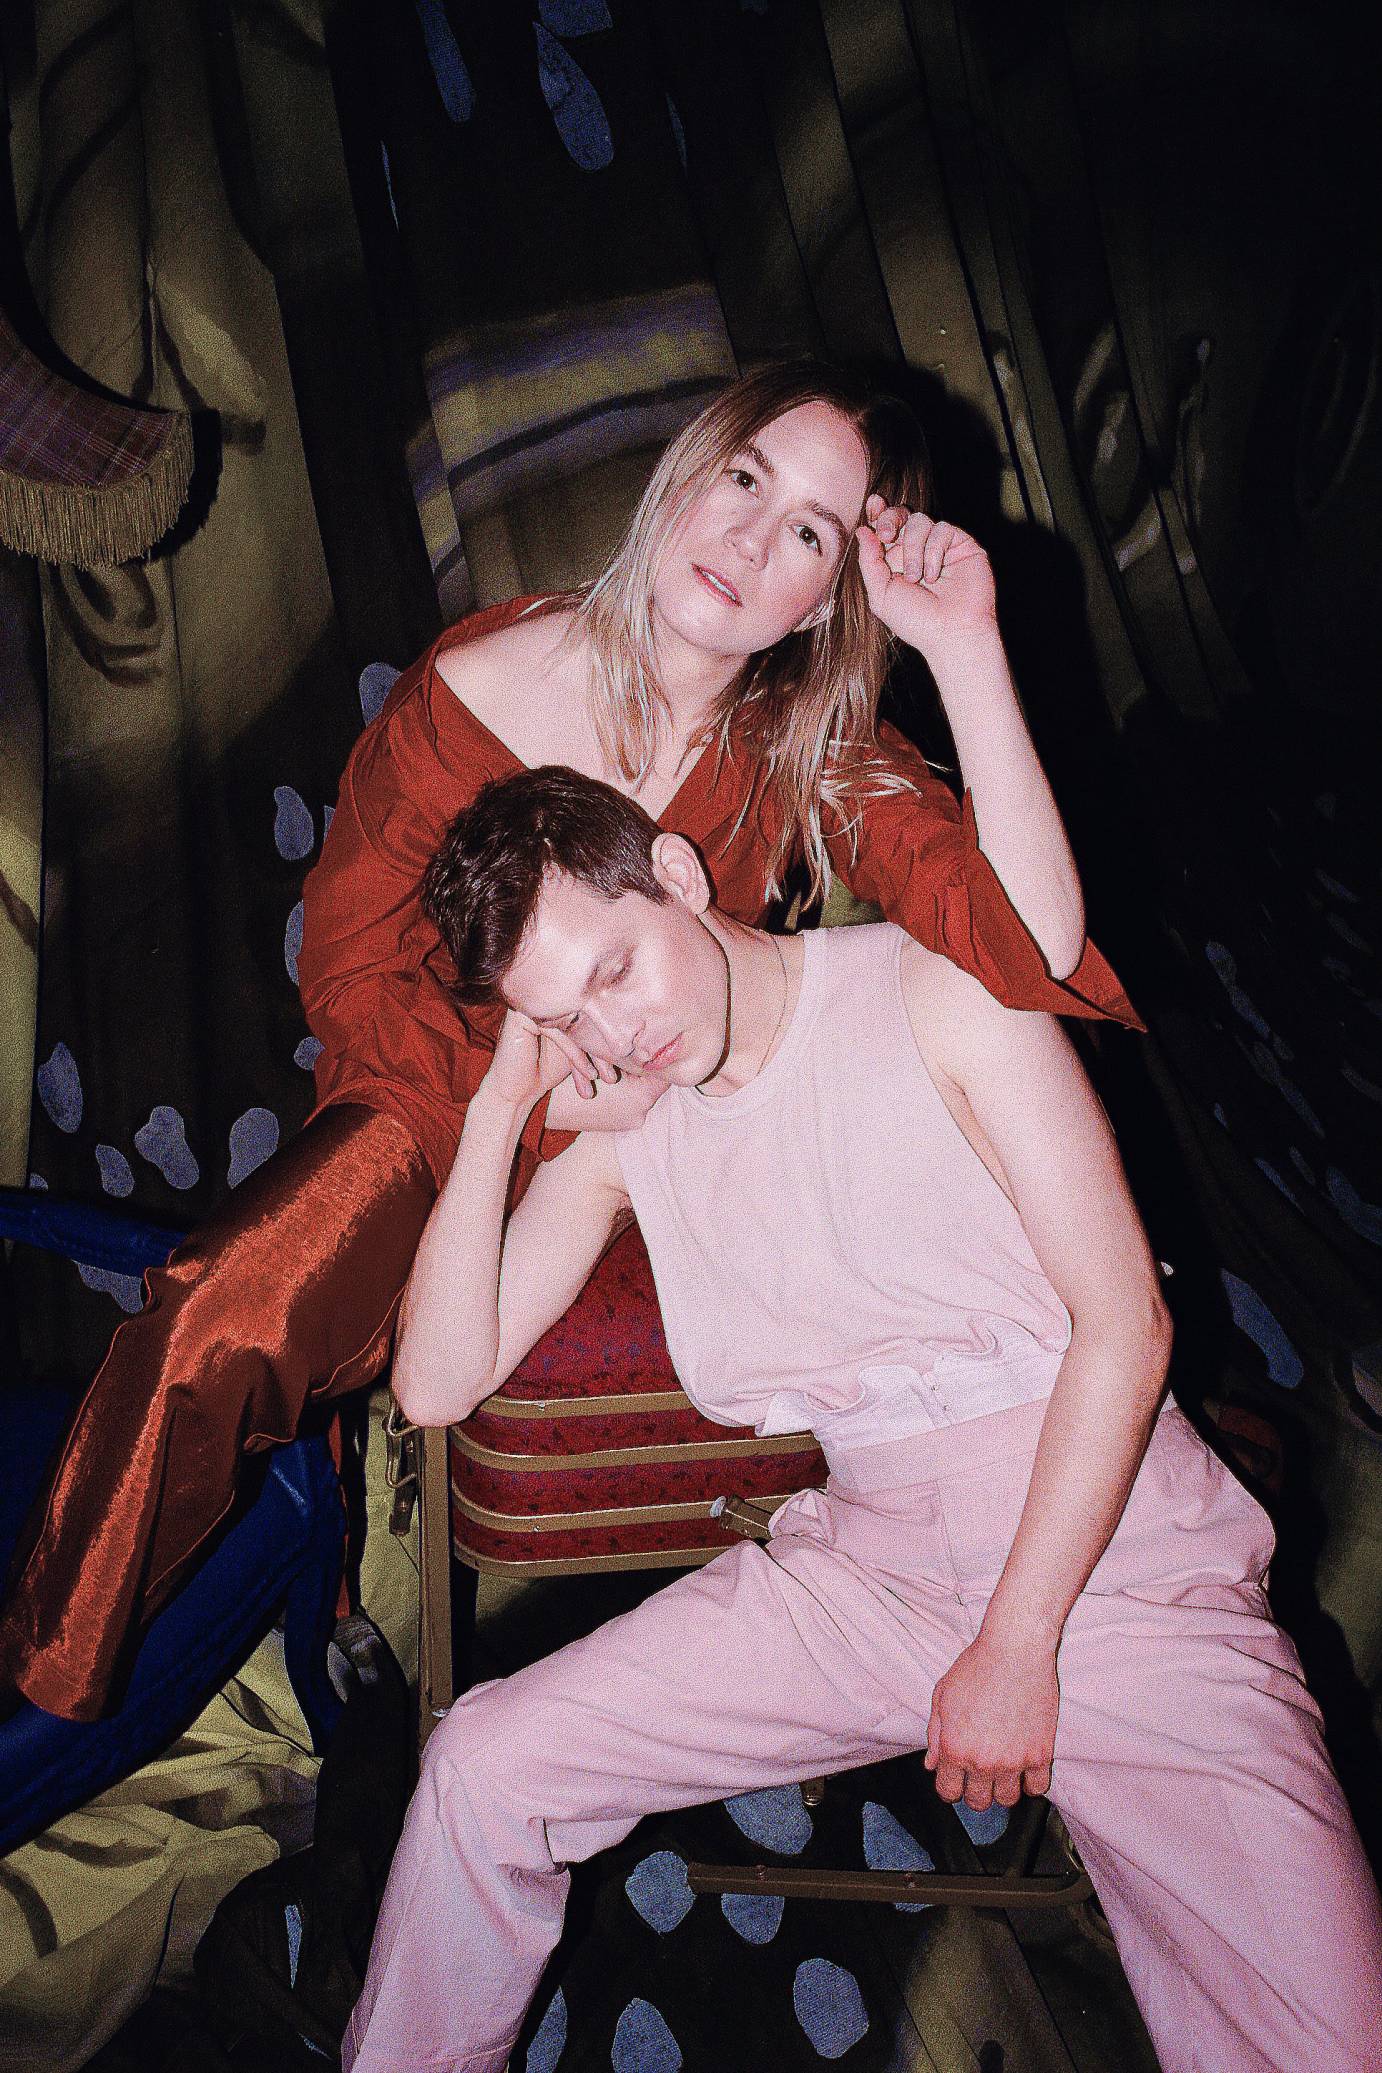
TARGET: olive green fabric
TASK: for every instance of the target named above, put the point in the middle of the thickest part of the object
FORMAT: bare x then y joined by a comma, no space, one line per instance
21,835
113,1899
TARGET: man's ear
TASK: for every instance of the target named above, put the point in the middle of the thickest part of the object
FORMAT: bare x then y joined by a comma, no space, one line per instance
680,872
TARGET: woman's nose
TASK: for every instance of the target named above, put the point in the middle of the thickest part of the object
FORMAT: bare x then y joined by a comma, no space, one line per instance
749,538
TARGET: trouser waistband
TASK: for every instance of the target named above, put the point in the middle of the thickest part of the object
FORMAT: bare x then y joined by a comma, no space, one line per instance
929,1455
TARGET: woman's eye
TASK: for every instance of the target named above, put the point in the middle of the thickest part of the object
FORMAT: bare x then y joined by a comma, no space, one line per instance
742,477
811,537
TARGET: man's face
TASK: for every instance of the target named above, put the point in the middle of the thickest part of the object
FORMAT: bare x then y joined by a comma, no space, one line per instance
640,983
757,550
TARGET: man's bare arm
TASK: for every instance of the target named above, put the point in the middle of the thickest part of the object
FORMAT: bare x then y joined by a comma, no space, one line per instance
620,1105
1020,1092
481,1293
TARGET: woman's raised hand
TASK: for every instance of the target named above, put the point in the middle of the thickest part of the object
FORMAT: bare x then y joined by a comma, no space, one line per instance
927,581
529,1062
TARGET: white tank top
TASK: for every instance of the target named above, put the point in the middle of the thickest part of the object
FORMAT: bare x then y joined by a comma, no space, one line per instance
830,1252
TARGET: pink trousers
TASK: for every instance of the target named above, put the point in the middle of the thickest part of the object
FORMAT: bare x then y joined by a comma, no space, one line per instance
1189,1764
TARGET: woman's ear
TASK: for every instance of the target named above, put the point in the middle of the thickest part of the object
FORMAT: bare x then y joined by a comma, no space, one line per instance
680,872
818,614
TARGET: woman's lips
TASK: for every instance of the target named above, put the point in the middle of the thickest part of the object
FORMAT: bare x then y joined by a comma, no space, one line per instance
664,1057
719,586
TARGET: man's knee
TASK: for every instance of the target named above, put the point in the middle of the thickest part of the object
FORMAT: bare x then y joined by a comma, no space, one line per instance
481,1778
505,1743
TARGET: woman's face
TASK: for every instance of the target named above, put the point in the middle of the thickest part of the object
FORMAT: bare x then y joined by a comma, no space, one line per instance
757,549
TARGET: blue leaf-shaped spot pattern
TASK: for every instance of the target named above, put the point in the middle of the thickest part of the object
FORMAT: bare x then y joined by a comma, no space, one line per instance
659,1891
127,1289
377,679
982,1824
888,1846
756,1917
678,131
59,1087
550,2041
1251,1315
163,1142
576,108
643,2043
775,1818
253,1139
295,833
117,1175
1363,1217
829,2006
454,83
292,942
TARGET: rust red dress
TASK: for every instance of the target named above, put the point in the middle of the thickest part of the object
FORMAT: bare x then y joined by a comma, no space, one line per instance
289,1293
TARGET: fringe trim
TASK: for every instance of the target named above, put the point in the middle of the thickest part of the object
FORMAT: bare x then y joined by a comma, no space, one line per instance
60,522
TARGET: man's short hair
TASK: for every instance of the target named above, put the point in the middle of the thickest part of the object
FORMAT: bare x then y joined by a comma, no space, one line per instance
482,887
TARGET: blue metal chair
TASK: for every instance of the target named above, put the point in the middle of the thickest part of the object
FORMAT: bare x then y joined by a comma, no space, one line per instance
284,1555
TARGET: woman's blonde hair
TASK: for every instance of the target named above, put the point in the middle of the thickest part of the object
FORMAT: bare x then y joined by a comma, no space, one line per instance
806,708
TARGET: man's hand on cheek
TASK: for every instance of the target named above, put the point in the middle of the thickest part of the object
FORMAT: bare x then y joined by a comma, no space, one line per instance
992,1733
529,1062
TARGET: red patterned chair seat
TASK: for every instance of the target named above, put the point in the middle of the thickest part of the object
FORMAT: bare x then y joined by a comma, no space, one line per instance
592,1457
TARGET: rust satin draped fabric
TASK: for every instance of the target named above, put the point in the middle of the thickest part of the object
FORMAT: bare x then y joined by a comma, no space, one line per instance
288,1294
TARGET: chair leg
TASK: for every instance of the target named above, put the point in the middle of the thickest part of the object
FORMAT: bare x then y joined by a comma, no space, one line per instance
436,1670
1070,1888
935,1888
465,1584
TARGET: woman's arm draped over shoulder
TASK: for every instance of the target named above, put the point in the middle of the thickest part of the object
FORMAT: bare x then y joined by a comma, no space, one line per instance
918,858
993,886
1018,822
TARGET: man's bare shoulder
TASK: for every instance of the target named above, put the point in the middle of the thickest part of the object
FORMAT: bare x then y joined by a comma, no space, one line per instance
958,1025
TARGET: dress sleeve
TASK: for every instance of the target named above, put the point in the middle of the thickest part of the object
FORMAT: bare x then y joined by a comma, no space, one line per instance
918,858
372,971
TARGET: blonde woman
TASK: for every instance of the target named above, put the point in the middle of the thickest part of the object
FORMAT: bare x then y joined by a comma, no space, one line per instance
725,671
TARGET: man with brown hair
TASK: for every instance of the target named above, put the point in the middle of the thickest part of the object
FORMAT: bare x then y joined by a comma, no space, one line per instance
882,1207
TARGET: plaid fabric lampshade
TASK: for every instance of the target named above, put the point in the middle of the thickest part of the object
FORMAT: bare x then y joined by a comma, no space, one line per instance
84,478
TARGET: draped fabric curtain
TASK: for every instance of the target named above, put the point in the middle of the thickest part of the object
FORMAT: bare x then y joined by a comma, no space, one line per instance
185,232
21,824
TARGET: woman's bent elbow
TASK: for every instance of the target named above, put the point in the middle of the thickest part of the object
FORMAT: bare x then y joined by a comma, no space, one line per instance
1067,939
